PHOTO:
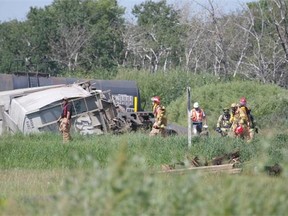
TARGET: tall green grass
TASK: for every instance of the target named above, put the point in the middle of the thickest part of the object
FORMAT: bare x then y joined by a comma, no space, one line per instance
45,151
118,175
123,189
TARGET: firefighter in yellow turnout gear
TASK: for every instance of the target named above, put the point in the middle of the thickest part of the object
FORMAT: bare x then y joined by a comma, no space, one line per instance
251,126
223,123
159,111
239,121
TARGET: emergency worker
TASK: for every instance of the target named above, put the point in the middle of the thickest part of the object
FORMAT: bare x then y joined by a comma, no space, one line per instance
239,121
252,126
243,107
251,121
65,120
159,111
198,116
223,124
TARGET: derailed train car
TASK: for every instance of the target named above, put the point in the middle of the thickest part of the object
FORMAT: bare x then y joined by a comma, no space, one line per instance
94,111
123,91
32,103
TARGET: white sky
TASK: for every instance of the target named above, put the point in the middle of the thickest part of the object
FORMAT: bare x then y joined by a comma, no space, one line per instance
18,9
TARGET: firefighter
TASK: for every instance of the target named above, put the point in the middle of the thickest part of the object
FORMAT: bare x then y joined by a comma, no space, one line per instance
252,126
65,120
239,121
223,124
243,107
159,111
198,116
251,123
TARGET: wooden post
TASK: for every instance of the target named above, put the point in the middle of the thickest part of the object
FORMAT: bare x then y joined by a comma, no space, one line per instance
188,118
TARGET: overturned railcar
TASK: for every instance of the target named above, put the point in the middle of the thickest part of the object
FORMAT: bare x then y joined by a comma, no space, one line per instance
125,92
38,109
31,103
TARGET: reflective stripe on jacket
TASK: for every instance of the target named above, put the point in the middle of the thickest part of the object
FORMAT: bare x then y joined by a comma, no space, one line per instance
156,108
197,115
245,114
160,115
224,121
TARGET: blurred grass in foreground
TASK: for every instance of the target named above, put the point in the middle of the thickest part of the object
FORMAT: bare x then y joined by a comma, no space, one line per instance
117,175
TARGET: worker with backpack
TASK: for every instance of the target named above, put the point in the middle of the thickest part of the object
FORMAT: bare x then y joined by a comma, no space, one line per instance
239,121
252,128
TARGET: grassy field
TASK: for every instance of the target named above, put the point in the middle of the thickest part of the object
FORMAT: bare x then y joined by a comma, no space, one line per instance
117,175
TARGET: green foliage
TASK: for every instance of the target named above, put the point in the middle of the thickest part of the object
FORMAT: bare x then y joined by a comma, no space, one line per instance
118,175
14,45
46,151
268,102
170,86
161,26
214,97
106,43
278,150
68,35
89,37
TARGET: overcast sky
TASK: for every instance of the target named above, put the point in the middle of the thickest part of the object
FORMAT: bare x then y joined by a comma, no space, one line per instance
18,9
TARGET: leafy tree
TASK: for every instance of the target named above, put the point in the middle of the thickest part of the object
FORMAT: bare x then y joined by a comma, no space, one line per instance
160,29
68,35
14,46
91,38
42,26
106,43
81,34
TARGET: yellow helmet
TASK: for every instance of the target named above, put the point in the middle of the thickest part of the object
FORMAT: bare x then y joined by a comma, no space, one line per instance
226,110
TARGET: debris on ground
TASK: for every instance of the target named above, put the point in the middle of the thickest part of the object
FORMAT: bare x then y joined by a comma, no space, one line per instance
228,163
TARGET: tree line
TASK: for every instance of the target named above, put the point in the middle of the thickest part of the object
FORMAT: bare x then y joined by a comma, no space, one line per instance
94,38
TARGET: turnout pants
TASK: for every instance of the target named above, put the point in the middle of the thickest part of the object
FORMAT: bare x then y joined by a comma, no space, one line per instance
65,130
156,131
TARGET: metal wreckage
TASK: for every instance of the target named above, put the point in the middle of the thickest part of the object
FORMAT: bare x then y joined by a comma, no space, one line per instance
32,103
